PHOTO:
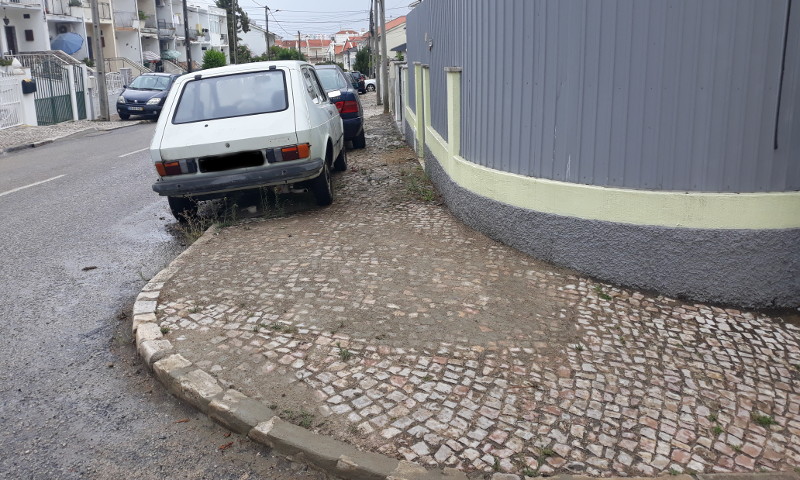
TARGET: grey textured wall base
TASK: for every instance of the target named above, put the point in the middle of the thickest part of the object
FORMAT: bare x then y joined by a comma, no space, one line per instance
734,267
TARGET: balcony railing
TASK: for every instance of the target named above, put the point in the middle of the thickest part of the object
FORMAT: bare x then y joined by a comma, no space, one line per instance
150,22
126,19
166,29
24,2
59,7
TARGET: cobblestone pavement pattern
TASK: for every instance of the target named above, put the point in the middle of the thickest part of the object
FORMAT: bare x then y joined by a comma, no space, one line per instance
385,322
26,135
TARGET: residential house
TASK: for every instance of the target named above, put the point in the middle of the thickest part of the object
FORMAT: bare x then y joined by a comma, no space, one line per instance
24,29
75,16
395,35
207,29
256,39
316,50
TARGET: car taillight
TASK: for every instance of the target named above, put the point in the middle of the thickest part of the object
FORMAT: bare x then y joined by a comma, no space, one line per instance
292,152
347,106
176,167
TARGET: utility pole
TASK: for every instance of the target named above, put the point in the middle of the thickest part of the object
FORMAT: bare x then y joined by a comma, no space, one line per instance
384,60
299,45
100,61
266,33
186,41
235,31
376,55
371,38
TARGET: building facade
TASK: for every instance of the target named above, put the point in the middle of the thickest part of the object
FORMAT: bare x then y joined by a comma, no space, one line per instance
650,144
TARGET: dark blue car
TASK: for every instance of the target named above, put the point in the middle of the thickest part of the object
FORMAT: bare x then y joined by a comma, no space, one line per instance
334,80
145,95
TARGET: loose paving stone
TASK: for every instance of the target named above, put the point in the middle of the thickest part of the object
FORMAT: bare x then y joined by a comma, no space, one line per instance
412,335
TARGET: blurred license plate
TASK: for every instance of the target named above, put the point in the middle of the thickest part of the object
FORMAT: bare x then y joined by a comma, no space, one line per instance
138,109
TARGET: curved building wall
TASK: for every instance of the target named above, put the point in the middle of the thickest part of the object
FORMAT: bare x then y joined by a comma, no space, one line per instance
648,143
648,94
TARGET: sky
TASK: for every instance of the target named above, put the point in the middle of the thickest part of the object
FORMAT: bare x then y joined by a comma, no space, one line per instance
317,16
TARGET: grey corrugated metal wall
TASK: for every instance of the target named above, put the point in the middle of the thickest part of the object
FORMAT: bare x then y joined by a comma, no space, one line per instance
647,94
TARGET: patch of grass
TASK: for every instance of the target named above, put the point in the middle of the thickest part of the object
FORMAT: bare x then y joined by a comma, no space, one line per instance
496,465
712,417
418,184
427,378
272,204
547,452
736,448
165,330
300,418
716,430
195,309
280,327
673,472
599,291
529,472
344,354
578,347
763,420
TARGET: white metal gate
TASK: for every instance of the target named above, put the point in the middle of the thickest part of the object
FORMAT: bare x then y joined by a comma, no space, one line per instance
10,101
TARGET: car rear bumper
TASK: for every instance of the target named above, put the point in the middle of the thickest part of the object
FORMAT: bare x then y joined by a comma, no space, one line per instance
352,127
204,184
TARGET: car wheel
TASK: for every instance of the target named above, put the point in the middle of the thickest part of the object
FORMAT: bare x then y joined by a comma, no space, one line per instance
370,88
321,187
183,209
360,141
340,164
124,116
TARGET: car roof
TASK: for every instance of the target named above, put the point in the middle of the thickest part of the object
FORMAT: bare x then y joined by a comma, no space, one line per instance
249,67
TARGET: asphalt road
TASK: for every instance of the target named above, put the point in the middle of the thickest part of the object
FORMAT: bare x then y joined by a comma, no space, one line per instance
75,402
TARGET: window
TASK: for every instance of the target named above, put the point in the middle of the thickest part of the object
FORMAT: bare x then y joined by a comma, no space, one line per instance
232,96
312,86
331,79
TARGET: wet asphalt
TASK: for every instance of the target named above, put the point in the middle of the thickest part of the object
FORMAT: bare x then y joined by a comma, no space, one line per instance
75,402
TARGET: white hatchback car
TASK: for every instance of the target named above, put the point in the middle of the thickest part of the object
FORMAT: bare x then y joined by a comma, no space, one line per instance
246,126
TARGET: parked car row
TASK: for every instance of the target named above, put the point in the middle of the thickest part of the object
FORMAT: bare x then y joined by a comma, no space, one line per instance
249,126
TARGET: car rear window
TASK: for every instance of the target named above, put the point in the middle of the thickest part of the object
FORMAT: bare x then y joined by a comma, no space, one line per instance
232,96
330,78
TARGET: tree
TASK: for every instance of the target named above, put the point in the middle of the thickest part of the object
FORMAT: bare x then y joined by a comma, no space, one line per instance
243,54
240,23
363,62
280,53
213,59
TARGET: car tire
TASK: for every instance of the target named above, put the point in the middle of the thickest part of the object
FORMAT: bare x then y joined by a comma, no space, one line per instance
370,88
340,164
360,141
124,116
322,188
183,209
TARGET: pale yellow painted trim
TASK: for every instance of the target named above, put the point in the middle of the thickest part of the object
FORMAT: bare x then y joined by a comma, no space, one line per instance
426,95
750,211
419,127
454,112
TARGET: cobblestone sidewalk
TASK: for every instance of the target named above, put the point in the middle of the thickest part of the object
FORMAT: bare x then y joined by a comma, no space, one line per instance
22,136
385,322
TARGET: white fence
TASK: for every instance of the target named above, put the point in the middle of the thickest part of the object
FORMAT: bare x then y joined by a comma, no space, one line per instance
10,101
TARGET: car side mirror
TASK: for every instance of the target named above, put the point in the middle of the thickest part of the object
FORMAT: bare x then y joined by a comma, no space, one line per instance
124,86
